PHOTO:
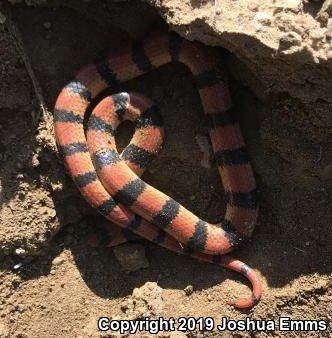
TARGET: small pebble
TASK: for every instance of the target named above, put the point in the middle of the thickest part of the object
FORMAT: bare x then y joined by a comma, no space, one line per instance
58,260
52,213
47,25
188,290
20,308
131,256
17,266
20,252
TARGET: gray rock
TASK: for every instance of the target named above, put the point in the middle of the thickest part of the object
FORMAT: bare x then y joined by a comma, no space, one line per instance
131,256
188,290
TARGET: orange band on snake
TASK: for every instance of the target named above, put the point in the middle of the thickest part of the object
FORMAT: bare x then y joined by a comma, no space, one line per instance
118,192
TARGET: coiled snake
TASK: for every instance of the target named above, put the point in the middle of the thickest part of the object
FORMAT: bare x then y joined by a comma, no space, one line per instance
110,181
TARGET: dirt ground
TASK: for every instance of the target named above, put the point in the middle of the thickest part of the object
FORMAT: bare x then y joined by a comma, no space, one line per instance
52,284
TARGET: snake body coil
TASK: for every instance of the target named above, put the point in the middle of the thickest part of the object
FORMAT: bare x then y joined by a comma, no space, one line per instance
117,190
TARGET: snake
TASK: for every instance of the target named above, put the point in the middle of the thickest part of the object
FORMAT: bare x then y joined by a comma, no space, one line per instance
111,182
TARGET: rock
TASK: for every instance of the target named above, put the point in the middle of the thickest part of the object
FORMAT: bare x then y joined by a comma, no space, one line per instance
147,301
52,212
17,266
289,40
188,290
47,211
127,305
58,261
264,18
252,33
131,256
20,252
318,37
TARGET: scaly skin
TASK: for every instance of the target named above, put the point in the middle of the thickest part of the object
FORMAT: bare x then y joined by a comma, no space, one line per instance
121,196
